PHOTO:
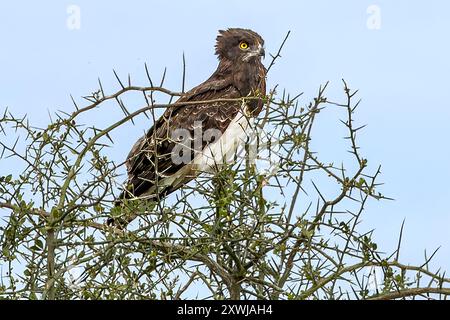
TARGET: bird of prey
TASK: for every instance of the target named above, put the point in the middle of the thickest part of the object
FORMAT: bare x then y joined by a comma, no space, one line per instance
192,138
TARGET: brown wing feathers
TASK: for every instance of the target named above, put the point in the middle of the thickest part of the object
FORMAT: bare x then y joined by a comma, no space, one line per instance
151,158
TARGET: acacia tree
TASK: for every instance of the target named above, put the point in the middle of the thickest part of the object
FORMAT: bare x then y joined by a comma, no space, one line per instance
260,228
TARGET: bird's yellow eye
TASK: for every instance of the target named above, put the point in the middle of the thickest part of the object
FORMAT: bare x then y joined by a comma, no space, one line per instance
243,45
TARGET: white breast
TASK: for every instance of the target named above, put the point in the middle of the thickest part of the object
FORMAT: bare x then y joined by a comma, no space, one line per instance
223,151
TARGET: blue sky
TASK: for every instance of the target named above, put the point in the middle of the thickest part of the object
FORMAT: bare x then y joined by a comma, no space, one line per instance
401,71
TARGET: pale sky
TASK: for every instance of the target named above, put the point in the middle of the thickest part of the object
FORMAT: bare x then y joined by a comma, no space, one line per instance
401,70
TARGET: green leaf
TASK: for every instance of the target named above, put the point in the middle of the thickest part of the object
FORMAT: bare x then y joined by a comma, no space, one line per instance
38,243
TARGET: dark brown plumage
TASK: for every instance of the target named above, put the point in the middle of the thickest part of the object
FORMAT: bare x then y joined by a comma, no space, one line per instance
240,73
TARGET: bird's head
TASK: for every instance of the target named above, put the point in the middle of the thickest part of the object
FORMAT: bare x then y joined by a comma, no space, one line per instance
239,45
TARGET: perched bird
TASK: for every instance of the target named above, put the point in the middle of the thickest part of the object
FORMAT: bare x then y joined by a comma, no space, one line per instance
189,139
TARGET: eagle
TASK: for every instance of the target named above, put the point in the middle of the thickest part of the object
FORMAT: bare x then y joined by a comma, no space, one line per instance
192,138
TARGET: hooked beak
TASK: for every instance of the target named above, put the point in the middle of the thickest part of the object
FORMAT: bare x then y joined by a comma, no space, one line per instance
258,52
261,51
